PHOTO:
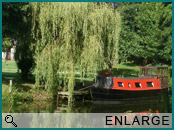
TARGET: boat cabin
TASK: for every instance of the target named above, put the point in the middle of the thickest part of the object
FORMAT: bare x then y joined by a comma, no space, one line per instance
152,81
151,78
158,72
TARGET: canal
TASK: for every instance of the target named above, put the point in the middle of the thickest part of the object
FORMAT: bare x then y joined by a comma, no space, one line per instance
162,105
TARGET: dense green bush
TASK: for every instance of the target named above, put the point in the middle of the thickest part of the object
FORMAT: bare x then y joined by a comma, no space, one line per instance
146,35
15,97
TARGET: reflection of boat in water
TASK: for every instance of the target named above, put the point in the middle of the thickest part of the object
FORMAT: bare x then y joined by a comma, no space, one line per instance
148,106
137,105
152,82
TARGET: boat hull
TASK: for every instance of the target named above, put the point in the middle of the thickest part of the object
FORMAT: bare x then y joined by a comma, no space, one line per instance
116,95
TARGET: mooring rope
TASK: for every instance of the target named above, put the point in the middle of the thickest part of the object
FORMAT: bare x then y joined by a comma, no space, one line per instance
85,88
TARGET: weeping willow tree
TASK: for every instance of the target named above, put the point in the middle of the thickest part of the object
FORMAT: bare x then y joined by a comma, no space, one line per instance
73,36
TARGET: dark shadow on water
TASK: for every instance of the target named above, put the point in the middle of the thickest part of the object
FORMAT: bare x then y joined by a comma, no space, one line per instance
34,107
132,107
162,105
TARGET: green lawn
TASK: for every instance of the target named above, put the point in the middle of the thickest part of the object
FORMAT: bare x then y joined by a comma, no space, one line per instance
25,93
9,66
21,90
126,70
10,72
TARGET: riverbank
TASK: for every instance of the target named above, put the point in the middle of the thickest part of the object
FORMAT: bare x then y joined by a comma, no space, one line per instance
23,93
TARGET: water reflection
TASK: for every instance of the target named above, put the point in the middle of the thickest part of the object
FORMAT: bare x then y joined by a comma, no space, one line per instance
162,105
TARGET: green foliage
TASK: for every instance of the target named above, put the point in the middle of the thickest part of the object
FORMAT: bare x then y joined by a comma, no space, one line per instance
5,96
15,97
24,55
6,44
146,35
12,19
72,36
19,98
170,78
16,25
24,58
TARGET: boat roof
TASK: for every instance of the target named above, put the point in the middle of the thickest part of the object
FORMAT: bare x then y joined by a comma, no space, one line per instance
153,67
134,77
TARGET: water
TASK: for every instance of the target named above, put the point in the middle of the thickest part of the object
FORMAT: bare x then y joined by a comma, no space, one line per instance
162,105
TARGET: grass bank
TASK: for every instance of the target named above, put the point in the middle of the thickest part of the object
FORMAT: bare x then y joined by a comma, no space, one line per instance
24,91
20,91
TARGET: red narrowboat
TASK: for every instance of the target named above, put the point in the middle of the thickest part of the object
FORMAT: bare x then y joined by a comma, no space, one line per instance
152,81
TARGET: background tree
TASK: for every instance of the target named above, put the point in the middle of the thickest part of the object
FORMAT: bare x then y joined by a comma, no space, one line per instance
73,37
16,26
146,35
7,44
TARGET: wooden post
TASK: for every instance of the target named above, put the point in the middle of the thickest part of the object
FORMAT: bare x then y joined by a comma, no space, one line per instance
69,100
83,98
10,88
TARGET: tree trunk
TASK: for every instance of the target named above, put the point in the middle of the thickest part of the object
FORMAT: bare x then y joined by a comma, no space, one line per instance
24,74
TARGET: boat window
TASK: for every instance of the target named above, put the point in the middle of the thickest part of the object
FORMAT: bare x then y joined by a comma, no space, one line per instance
138,85
161,72
154,72
143,72
149,72
129,85
150,84
165,73
120,84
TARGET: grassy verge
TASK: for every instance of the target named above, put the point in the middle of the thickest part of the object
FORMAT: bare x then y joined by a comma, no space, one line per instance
24,91
21,91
